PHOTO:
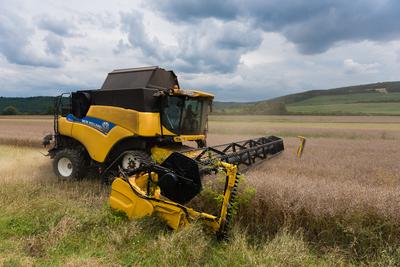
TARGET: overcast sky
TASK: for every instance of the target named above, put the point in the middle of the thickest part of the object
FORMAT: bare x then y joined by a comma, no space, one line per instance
239,50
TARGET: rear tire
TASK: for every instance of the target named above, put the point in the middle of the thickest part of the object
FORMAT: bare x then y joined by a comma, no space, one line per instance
69,164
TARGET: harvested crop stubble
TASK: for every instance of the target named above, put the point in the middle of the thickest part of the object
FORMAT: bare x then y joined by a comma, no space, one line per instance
24,130
314,130
307,119
19,163
27,179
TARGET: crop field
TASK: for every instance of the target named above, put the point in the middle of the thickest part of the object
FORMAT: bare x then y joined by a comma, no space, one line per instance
350,99
24,130
336,206
361,103
353,108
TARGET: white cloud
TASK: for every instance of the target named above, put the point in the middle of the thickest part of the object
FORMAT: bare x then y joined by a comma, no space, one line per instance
353,67
210,46
53,46
398,55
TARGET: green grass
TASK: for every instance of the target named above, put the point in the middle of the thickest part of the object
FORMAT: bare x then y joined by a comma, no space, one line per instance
364,100
349,98
52,225
349,104
56,224
347,109
345,104
44,222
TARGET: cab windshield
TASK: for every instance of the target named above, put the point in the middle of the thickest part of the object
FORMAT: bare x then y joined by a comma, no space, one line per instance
185,115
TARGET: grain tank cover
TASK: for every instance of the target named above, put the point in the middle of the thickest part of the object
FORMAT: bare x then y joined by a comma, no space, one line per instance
139,78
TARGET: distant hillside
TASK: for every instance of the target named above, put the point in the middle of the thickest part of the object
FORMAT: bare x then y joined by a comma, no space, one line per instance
38,105
368,99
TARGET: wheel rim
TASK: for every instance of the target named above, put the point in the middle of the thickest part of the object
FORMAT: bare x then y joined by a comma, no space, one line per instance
130,161
64,166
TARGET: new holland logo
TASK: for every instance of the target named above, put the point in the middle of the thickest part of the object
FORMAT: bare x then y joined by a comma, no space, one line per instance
100,125
106,126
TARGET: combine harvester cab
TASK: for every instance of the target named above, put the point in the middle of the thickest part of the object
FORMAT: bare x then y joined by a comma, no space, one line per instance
133,129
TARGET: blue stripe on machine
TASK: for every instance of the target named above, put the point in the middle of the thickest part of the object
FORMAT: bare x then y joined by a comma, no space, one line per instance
100,125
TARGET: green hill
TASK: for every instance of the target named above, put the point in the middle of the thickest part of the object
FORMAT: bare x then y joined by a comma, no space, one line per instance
368,99
38,105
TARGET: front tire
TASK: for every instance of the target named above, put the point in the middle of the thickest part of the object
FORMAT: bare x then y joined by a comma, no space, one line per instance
69,164
134,158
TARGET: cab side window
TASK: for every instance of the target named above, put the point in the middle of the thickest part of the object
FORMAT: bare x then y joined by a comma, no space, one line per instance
191,119
171,114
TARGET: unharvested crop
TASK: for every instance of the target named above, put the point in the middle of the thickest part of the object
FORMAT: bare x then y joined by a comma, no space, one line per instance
336,205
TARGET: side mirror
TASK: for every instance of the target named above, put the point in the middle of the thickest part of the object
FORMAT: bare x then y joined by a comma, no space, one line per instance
158,94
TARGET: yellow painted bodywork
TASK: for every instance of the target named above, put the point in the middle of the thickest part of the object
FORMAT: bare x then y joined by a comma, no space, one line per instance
301,147
123,198
183,138
65,126
130,196
96,143
139,123
159,154
129,123
193,93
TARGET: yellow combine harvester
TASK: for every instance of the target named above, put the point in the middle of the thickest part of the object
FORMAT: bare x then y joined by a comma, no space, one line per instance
133,130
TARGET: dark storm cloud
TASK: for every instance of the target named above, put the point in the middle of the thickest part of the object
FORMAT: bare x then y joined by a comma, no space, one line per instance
193,9
61,27
210,46
15,43
215,47
313,25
